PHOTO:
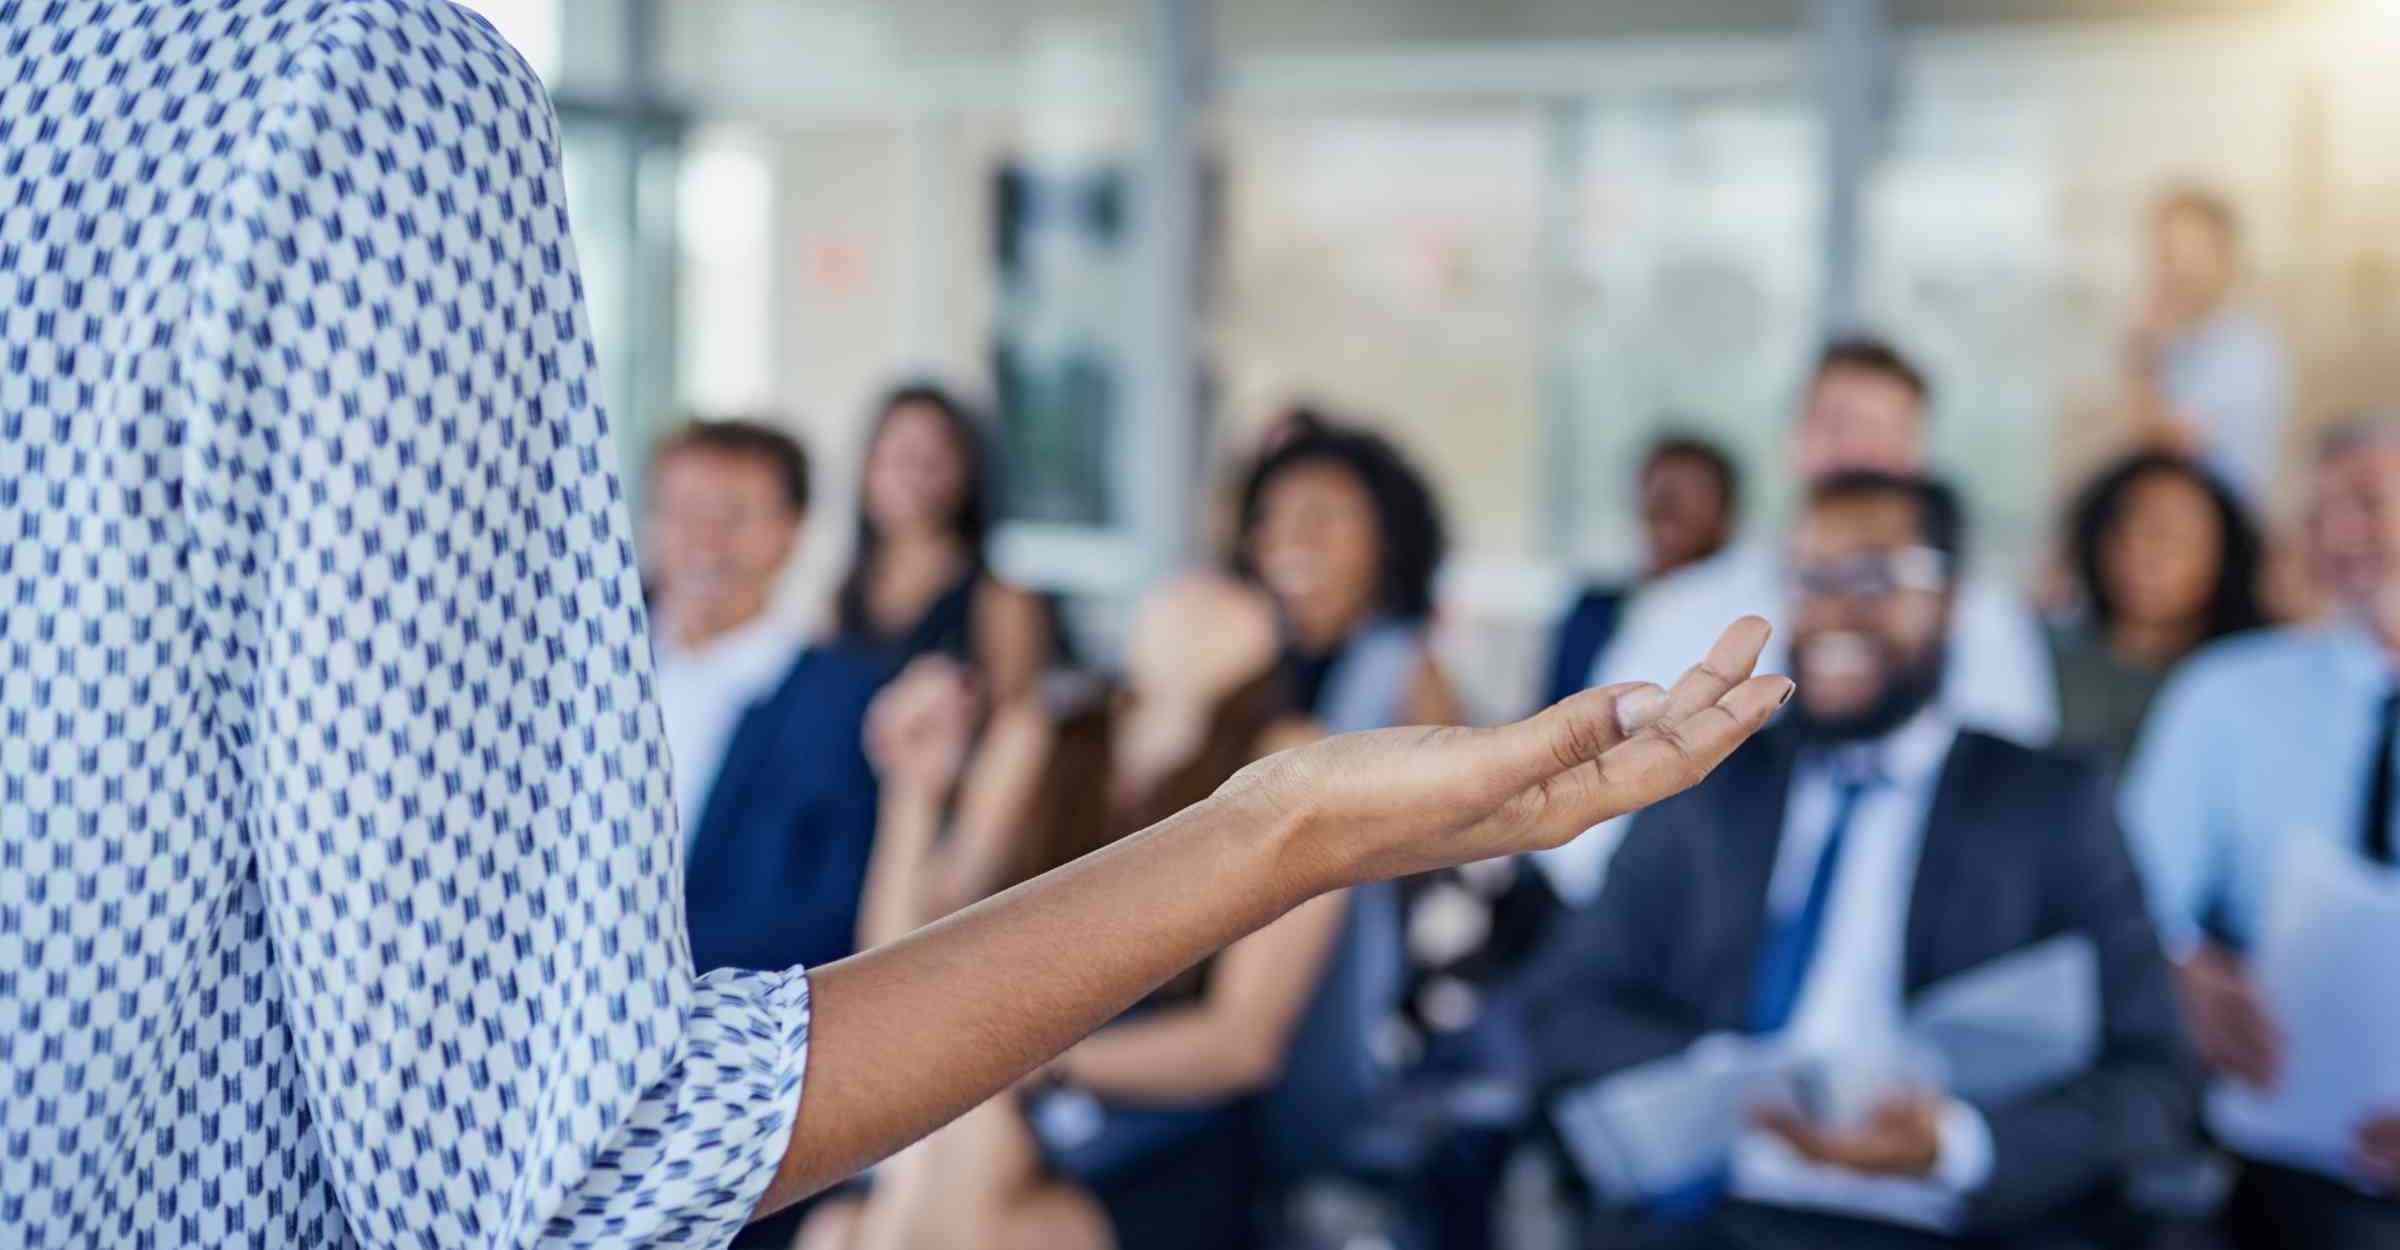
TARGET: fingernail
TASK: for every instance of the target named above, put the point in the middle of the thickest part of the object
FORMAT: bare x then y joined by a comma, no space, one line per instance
1638,708
1788,691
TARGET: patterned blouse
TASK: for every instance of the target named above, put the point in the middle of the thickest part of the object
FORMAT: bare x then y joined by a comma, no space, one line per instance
339,888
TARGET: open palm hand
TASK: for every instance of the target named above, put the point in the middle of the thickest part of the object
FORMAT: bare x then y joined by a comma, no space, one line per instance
1396,802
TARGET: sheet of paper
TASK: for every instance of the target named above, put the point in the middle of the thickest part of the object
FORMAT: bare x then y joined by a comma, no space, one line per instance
2009,1027
2327,957
1652,1129
2015,1025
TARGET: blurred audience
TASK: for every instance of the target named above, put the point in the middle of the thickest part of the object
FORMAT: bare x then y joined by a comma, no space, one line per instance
2205,377
1690,496
918,582
776,799
2166,560
1141,1135
1865,849
1864,408
2287,734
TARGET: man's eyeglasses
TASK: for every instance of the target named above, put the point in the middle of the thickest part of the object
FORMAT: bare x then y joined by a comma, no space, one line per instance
1871,576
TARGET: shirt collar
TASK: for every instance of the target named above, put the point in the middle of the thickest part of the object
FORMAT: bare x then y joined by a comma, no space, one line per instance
754,650
2358,656
1909,757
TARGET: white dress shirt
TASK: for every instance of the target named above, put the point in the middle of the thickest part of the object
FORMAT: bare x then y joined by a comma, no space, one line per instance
1851,999
1999,677
2258,741
704,692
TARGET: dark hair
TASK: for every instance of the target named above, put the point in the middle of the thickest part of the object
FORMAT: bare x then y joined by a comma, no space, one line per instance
2233,605
1873,355
1710,457
1941,518
747,437
2205,204
972,520
1406,513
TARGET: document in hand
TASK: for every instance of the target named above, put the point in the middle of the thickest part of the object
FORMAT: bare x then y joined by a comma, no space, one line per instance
2016,1025
1652,1129
1999,1031
2324,958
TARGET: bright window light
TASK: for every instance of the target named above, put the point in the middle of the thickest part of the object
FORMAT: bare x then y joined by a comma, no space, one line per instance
531,25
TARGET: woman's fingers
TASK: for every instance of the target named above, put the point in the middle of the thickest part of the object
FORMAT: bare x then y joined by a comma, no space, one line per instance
1728,664
1582,728
1662,760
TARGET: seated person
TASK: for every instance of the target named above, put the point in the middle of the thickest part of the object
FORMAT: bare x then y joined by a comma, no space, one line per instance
2167,562
1344,535
1690,505
765,731
1139,1136
919,581
2286,734
1853,856
1865,407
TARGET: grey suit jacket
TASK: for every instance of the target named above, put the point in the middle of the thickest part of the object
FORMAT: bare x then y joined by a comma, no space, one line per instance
2020,846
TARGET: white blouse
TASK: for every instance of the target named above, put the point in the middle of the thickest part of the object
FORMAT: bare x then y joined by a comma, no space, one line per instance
340,898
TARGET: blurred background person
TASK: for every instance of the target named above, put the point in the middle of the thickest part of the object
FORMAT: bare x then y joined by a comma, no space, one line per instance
2286,734
1858,853
1690,496
919,581
1343,534
1865,407
1142,1136
764,731
2205,377
2166,560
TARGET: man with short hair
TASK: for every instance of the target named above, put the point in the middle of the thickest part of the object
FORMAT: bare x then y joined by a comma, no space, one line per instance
765,733
1690,495
1865,407
2290,733
1861,853
2205,376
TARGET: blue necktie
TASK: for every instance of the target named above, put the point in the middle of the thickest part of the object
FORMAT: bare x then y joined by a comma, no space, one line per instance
1792,943
1782,969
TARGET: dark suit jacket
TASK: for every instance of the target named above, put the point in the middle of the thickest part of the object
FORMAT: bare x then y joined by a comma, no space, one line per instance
1581,636
781,853
2020,846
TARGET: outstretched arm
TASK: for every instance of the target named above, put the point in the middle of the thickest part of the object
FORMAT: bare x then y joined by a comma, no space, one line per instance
909,1036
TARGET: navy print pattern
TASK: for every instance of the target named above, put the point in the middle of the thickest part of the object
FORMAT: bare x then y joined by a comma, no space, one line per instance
339,889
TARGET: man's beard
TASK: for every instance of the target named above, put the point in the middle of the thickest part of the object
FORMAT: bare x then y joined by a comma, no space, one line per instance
1912,687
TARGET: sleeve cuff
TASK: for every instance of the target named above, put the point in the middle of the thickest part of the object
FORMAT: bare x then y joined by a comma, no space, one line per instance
1964,1161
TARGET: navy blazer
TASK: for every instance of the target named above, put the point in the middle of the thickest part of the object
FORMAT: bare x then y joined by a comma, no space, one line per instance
1584,633
2020,846
780,857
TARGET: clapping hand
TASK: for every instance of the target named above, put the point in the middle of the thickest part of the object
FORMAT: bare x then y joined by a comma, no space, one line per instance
920,728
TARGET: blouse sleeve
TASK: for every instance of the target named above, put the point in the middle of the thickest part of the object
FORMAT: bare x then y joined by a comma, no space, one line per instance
433,665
